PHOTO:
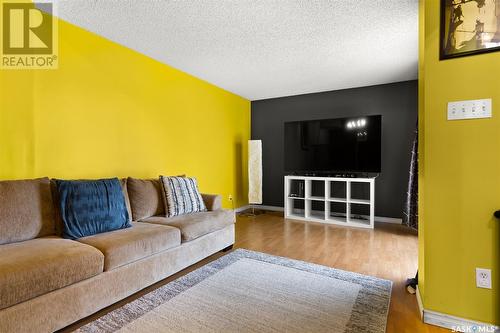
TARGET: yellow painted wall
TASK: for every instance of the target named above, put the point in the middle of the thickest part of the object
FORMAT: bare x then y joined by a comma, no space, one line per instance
460,173
16,125
109,111
421,148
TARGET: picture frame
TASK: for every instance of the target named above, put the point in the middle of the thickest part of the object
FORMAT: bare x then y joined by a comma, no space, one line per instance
469,27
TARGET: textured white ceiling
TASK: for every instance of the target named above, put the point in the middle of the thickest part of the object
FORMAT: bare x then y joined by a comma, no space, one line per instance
264,48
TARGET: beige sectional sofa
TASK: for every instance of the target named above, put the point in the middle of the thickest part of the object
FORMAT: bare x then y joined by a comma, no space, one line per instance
47,282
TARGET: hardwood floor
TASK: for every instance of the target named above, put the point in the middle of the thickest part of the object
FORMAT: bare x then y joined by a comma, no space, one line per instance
389,251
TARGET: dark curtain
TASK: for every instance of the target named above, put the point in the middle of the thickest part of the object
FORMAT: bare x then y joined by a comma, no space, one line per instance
410,216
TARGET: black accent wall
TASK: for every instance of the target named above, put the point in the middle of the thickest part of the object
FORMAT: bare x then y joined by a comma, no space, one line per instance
396,102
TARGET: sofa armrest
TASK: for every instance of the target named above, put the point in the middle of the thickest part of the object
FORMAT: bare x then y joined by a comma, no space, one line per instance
212,201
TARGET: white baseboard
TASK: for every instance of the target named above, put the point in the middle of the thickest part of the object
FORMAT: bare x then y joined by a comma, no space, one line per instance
420,304
380,219
242,208
271,208
262,207
457,324
383,219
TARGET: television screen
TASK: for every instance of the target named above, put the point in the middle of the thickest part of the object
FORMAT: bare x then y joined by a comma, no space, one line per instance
334,145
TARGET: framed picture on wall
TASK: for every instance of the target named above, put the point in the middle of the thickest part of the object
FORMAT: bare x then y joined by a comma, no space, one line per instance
469,27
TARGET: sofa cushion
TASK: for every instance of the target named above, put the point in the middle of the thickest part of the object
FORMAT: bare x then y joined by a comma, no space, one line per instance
90,207
212,201
124,246
145,198
34,267
123,183
196,225
26,210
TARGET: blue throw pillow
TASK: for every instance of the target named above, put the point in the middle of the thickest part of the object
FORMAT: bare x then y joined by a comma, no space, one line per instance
90,207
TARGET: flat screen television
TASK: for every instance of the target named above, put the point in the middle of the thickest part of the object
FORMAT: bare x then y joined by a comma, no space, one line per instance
338,145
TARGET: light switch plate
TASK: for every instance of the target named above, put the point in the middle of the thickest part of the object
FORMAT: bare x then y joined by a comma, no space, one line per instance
471,109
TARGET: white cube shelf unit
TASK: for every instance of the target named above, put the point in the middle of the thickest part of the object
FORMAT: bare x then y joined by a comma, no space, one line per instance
330,200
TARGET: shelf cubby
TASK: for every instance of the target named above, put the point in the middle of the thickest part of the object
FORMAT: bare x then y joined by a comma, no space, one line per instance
295,208
337,211
296,189
360,192
337,190
315,190
315,209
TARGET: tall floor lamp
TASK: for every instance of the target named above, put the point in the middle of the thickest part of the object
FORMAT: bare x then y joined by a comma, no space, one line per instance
254,173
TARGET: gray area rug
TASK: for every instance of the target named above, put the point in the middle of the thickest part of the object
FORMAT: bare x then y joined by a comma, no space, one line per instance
247,291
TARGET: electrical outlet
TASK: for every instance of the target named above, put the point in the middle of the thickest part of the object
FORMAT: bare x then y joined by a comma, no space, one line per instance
483,278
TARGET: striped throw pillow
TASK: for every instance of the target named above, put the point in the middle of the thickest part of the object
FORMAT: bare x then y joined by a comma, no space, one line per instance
181,196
